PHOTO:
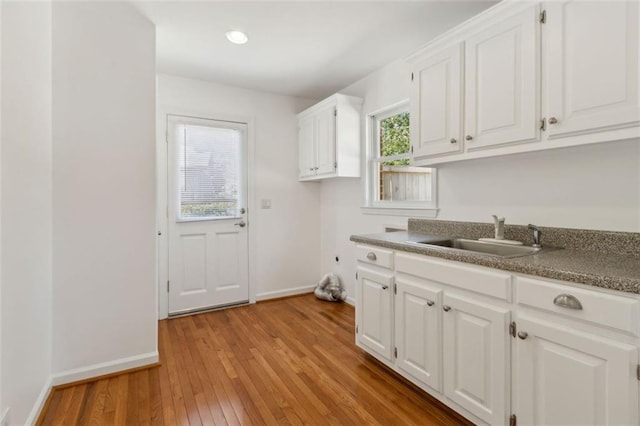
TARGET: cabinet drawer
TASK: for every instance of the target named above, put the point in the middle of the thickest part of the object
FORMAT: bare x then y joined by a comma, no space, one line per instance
472,278
619,312
375,256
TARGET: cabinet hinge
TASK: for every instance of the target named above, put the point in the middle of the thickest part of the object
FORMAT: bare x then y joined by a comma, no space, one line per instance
638,371
335,165
543,17
395,352
412,149
356,328
335,112
513,421
543,124
512,329
168,285
395,288
356,275
411,76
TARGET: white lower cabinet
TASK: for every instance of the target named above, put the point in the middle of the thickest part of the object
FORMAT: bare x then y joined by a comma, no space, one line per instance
475,346
418,341
448,328
568,377
373,312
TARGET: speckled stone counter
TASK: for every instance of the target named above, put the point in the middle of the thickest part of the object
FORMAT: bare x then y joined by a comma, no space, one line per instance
600,258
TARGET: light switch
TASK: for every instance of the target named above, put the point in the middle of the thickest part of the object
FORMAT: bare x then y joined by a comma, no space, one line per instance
265,203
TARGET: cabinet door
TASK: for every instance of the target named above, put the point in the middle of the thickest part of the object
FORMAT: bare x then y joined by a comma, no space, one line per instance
502,82
306,147
436,104
592,56
565,377
326,141
476,357
373,311
417,335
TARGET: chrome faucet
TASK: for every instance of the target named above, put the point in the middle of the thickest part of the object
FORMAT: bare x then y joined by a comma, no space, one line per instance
499,227
536,235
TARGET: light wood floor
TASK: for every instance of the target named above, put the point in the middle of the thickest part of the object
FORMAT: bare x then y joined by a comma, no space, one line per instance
289,361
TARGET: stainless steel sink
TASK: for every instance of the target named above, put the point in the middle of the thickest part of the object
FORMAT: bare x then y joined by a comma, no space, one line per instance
482,247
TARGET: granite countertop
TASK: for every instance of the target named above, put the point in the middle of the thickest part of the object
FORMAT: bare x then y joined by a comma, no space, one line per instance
614,268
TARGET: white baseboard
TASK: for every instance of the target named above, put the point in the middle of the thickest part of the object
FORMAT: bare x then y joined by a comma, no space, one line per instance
350,300
37,407
283,293
104,368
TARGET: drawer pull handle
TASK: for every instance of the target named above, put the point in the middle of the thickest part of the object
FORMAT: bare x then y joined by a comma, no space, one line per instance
371,256
523,334
567,301
430,302
385,287
446,308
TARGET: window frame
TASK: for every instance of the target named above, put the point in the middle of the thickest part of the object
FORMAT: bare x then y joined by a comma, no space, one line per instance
372,140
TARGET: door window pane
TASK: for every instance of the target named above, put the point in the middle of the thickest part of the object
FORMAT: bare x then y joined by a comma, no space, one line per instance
209,170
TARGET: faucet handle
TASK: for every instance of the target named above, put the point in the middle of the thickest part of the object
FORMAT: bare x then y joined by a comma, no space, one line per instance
536,235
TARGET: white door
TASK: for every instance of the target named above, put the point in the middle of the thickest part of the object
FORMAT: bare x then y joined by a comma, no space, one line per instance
373,316
418,311
502,82
476,357
565,377
326,141
208,253
592,56
436,104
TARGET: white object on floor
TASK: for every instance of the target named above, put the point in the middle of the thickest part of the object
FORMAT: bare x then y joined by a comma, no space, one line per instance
495,240
329,288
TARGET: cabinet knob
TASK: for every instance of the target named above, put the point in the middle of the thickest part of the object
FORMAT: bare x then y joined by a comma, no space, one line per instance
371,256
430,302
468,137
452,140
553,120
567,301
385,287
523,334
311,169
446,308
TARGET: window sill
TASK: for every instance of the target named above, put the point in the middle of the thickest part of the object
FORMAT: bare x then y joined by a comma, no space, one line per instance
400,211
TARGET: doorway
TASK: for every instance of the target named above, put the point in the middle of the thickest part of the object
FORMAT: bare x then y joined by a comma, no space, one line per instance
207,194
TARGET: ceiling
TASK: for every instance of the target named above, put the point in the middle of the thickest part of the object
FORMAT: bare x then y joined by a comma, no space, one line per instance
308,49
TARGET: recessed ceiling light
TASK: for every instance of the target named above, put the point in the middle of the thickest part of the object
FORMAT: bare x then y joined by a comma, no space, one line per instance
237,37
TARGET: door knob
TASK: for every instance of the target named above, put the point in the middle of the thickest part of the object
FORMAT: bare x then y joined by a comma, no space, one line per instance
241,224
553,120
430,302
523,334
446,308
469,137
385,287
452,140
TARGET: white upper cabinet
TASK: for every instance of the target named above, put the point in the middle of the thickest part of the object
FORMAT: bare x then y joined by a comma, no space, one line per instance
526,76
329,139
591,56
437,103
502,82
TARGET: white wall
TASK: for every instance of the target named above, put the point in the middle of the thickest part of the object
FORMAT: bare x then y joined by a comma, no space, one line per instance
104,293
26,206
286,249
593,187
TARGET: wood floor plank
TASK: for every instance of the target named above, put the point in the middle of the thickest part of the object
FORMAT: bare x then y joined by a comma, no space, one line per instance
287,362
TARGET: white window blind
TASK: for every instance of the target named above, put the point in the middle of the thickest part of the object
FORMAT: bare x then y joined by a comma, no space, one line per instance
209,171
